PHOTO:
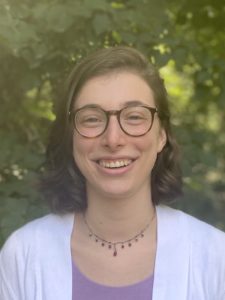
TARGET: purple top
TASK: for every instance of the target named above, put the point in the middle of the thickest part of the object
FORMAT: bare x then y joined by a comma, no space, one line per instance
85,289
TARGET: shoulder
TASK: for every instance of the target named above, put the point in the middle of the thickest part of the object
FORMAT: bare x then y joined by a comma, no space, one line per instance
194,244
198,229
206,242
35,233
25,254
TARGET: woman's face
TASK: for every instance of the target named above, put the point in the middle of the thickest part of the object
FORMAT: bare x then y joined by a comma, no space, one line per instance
116,164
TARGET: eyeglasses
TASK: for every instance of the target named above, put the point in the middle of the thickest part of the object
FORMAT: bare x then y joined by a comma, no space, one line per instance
92,121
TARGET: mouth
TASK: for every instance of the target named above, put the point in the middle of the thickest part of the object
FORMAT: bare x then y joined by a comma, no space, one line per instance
115,164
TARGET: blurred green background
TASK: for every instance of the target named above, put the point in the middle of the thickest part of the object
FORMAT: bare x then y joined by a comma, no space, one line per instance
41,40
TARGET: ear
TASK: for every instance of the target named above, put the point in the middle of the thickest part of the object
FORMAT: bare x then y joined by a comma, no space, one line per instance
162,139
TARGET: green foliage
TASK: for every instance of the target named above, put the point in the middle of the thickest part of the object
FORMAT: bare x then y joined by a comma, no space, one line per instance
39,43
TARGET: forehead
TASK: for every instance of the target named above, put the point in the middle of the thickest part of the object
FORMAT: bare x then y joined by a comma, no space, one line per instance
114,91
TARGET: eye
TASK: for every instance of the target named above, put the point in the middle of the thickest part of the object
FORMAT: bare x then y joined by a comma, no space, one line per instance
90,118
137,115
134,118
91,121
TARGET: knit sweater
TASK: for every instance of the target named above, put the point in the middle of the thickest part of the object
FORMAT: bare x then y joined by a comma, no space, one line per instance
35,262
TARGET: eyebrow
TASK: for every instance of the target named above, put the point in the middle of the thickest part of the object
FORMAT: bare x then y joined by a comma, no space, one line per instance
134,102
127,103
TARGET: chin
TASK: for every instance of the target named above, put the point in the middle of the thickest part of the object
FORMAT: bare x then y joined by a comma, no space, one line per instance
116,192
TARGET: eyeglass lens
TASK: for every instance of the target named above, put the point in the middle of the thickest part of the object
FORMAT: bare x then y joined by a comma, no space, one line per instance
134,121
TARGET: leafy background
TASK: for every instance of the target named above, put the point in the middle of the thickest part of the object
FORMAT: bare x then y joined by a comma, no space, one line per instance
41,40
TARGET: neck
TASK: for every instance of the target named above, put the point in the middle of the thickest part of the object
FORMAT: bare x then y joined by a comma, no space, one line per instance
119,218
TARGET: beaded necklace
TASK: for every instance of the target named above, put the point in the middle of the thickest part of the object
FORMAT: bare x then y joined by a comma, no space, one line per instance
114,245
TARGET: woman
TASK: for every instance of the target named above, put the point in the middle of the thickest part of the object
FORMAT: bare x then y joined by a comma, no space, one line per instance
111,162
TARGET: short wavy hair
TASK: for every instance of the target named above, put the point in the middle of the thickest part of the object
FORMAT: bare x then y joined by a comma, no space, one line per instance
62,183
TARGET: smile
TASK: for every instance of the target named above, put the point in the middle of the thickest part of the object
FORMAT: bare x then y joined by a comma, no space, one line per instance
114,164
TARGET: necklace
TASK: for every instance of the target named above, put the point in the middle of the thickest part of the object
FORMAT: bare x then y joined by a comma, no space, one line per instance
114,245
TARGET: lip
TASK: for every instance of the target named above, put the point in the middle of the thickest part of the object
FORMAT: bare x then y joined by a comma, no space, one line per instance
114,158
115,171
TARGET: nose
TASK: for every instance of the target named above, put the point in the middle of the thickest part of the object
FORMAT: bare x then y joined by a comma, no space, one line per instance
113,137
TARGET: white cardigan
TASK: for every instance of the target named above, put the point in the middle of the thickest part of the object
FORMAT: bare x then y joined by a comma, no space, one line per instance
35,262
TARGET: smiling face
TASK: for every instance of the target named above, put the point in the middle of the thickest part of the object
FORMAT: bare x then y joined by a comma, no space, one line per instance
115,164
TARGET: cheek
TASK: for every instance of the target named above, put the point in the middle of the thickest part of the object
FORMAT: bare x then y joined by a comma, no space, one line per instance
149,149
77,149
148,144
81,149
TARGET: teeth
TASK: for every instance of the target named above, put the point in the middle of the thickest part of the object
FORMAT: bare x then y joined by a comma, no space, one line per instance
115,164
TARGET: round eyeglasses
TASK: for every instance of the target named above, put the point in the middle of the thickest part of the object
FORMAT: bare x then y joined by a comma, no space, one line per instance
92,121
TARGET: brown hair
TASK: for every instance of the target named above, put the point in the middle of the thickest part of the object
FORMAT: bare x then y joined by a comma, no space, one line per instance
62,182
